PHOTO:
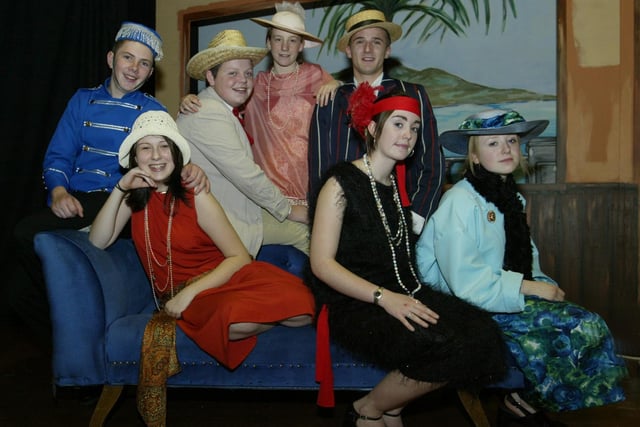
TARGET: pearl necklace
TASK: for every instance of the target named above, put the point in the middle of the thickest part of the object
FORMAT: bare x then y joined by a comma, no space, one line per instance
403,230
293,93
151,256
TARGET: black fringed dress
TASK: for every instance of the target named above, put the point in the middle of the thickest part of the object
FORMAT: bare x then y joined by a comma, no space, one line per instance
464,349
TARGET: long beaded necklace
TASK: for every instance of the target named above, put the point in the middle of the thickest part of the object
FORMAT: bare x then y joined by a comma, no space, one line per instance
151,256
293,93
403,230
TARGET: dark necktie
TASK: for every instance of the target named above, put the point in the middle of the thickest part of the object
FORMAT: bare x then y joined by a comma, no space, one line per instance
240,115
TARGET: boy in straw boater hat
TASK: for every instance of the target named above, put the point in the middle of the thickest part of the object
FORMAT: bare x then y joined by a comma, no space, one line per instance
279,113
80,164
477,245
202,279
367,42
222,147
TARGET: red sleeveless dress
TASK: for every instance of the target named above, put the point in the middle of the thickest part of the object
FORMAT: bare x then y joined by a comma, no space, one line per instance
259,292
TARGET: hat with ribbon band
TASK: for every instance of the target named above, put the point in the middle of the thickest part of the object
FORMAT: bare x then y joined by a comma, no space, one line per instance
491,122
369,18
290,18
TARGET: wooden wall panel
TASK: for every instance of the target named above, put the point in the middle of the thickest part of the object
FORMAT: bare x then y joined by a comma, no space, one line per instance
587,237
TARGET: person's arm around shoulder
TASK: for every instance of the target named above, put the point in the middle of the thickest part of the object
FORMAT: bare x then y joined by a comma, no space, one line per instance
325,238
214,222
115,213
190,104
195,178
327,91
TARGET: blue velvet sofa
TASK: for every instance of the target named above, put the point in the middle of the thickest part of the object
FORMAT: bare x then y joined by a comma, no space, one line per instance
101,301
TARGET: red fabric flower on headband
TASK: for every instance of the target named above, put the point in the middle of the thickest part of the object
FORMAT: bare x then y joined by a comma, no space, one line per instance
360,107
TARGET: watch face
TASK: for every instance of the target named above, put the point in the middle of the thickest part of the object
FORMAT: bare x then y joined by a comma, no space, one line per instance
377,294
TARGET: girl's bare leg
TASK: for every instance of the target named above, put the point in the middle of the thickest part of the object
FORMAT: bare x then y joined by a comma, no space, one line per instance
391,394
241,330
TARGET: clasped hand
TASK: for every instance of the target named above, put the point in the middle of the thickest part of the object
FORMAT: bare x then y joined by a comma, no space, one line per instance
544,290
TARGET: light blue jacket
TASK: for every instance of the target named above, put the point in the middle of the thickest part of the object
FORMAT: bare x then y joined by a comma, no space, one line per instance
461,251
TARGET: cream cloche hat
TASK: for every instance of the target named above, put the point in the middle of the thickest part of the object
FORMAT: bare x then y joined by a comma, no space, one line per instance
155,122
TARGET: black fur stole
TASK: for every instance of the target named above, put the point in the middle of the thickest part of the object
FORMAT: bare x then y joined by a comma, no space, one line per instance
504,194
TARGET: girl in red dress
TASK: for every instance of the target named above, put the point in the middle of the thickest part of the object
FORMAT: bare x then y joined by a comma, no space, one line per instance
202,277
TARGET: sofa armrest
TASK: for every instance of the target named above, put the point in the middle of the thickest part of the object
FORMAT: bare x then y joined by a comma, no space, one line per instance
80,278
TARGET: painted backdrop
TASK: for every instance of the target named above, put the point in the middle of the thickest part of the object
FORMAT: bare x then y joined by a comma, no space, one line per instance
510,64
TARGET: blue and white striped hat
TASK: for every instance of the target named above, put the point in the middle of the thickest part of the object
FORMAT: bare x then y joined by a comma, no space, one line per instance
145,35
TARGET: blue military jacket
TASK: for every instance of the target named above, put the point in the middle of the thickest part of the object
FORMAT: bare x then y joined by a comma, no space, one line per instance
83,152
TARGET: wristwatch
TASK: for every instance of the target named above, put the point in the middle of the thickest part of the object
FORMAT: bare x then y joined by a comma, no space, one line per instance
377,295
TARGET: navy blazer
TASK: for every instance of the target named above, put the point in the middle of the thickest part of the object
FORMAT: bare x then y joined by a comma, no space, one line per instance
332,140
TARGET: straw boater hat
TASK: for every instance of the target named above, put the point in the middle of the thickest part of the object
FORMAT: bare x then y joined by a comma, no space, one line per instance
290,18
153,123
368,19
491,122
141,34
225,46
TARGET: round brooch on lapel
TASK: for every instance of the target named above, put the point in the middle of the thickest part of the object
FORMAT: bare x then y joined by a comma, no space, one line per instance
491,216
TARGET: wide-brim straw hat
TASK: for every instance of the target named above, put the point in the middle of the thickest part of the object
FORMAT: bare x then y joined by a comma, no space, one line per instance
291,23
224,46
491,122
368,19
155,122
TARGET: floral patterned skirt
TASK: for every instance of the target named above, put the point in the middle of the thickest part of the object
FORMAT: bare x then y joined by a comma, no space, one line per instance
567,355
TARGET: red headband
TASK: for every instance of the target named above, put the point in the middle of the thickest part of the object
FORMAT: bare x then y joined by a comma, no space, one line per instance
363,106
404,103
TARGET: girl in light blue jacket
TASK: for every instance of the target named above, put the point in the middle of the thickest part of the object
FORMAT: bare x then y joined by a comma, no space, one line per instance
477,246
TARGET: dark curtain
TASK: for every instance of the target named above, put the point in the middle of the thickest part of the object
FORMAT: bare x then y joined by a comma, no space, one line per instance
49,49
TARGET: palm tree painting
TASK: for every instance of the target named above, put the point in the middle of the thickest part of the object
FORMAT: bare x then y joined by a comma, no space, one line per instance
435,17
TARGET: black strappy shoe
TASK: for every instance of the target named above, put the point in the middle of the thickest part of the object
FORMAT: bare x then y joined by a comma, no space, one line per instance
507,418
352,416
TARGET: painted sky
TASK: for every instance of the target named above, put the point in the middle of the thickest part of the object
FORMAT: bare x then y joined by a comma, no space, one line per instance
523,56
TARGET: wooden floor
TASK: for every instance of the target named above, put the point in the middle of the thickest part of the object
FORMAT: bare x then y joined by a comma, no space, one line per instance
28,401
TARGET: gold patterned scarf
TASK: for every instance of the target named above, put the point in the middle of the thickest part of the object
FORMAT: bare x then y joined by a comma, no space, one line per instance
158,361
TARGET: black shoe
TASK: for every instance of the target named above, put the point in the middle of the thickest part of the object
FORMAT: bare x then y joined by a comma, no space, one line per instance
352,416
507,418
